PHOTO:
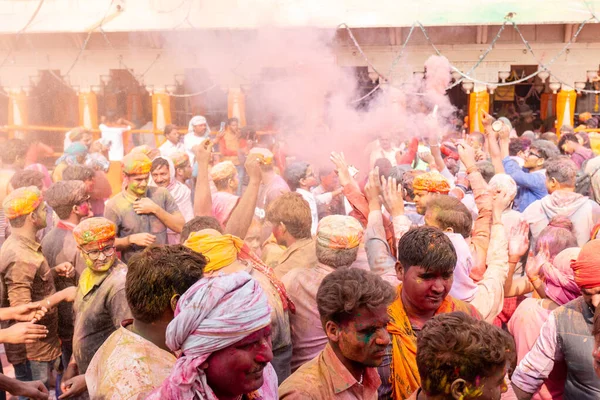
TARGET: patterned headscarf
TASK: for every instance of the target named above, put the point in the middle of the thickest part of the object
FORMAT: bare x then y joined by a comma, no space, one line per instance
22,201
97,161
136,163
92,230
339,232
76,149
586,268
222,170
213,314
147,150
180,158
432,182
560,281
265,155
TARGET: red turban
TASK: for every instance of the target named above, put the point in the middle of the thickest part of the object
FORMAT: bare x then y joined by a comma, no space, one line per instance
587,266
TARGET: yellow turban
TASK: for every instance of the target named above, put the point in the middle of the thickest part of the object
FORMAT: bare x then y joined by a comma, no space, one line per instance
222,170
220,250
339,232
94,230
22,201
432,182
136,163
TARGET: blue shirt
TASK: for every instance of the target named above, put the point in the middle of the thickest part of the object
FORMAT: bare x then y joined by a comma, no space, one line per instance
531,185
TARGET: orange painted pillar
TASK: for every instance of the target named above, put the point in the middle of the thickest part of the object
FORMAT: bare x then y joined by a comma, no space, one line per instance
161,114
88,111
547,105
236,105
17,112
565,108
478,102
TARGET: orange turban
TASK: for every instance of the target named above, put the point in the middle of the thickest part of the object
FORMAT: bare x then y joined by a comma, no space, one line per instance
222,170
587,266
433,182
96,229
136,163
22,201
339,232
583,117
265,155
179,159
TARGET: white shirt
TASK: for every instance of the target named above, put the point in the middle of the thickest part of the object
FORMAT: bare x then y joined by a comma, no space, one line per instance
380,153
189,141
115,135
313,200
167,149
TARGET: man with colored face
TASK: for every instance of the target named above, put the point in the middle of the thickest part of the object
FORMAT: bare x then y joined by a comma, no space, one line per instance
231,365
426,262
100,303
70,201
26,278
141,213
477,357
353,306
567,335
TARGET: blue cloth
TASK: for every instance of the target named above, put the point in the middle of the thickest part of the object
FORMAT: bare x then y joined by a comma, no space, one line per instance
531,185
74,150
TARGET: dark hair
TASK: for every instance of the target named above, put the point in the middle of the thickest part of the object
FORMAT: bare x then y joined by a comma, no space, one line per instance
558,235
345,290
78,173
480,137
592,123
455,346
26,178
294,173
294,212
169,128
398,172
517,145
159,162
20,220
449,212
232,120
585,138
158,273
549,136
596,329
566,137
197,224
407,182
486,168
13,149
562,169
62,196
385,167
427,247
452,165
546,149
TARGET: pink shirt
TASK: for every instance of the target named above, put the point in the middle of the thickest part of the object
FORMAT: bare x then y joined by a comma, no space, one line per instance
525,326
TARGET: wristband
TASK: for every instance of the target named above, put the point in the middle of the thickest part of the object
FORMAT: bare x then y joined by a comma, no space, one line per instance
535,278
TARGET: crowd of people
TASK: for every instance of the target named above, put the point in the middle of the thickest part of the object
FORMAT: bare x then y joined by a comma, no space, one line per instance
455,268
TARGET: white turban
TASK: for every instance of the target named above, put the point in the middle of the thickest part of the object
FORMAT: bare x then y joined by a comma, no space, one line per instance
213,314
197,120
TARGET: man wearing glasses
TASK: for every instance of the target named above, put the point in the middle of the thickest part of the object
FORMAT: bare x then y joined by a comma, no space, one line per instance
100,303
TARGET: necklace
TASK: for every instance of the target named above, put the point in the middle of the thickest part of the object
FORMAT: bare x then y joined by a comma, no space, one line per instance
361,379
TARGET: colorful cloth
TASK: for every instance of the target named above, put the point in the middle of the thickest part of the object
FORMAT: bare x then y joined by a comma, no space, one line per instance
586,268
223,250
212,315
432,182
22,201
404,372
265,155
94,230
558,275
222,170
339,232
180,159
111,376
326,377
136,163
75,150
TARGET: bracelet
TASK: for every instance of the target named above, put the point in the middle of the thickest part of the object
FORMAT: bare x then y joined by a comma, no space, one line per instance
535,278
